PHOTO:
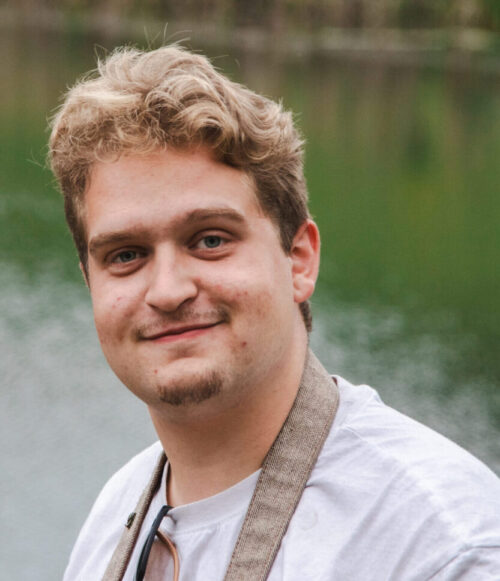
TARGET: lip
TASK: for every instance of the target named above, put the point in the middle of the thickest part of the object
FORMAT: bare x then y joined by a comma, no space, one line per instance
177,333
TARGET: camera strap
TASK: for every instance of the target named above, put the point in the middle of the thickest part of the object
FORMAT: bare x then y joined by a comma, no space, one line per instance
282,480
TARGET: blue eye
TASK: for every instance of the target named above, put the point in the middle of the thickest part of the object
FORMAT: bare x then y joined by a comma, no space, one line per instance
125,256
212,241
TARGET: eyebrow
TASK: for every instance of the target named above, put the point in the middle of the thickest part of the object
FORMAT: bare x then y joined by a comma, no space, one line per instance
194,216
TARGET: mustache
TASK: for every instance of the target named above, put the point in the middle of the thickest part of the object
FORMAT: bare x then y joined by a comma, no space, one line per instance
185,316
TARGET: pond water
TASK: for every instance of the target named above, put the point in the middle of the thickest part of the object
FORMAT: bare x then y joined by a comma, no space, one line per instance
403,172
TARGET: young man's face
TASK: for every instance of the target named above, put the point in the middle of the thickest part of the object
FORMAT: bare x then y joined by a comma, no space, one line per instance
192,292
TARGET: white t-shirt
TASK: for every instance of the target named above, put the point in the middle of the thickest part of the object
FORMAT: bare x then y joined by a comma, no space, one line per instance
388,500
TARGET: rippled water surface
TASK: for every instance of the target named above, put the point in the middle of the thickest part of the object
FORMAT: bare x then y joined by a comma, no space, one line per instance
402,167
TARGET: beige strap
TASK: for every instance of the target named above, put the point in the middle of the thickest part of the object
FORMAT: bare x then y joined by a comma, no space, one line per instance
121,556
284,474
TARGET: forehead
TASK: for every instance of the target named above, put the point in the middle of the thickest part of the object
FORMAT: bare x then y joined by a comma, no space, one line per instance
165,185
170,171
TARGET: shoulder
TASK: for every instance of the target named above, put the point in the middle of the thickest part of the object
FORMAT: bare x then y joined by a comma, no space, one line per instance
104,525
123,489
365,422
411,490
399,449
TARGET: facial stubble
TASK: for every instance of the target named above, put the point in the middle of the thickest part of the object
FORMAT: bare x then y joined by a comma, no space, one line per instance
200,389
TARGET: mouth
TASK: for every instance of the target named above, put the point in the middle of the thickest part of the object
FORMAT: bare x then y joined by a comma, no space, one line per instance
180,332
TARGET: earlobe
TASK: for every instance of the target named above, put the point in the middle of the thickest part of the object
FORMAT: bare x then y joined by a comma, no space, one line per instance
304,254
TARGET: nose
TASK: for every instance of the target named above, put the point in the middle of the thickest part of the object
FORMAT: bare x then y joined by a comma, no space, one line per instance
170,283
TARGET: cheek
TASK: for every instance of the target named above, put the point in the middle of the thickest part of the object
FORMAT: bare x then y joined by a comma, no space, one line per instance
239,295
234,292
116,302
257,292
258,305
112,313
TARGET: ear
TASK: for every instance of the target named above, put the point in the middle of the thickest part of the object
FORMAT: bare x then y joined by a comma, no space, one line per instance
304,255
85,275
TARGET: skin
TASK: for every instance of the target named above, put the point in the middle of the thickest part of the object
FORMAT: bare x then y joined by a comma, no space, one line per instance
196,307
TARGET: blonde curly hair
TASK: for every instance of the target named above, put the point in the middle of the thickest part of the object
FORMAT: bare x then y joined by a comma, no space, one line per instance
141,101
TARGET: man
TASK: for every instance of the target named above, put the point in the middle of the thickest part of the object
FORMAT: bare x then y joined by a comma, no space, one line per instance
186,199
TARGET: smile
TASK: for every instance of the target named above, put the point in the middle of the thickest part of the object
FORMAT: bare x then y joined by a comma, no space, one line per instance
177,333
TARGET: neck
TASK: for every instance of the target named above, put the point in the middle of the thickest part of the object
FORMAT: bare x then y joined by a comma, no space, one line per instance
209,452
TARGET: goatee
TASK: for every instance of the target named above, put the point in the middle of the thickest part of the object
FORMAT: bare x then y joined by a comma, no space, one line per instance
199,390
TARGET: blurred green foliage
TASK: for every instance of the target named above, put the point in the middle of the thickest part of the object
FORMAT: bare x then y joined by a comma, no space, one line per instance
286,15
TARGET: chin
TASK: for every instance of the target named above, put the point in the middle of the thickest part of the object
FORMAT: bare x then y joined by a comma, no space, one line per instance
193,390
